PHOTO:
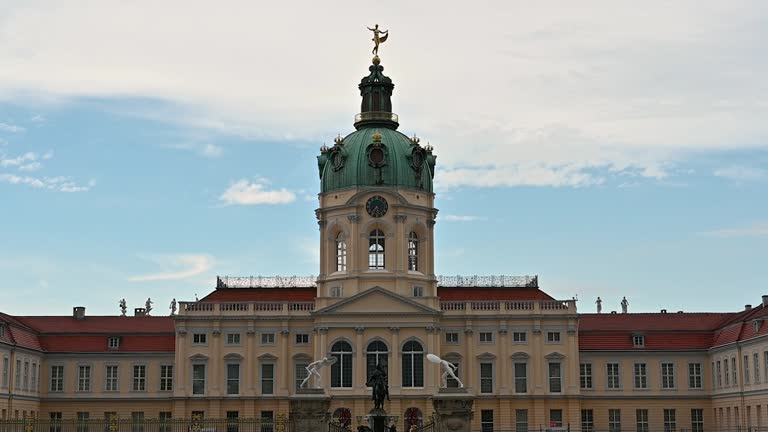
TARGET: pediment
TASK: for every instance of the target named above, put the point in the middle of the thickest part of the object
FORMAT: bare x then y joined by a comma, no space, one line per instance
377,301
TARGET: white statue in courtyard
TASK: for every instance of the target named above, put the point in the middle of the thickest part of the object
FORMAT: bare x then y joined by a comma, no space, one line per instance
448,370
314,370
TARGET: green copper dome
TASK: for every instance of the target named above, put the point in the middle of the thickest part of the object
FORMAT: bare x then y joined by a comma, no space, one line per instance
376,154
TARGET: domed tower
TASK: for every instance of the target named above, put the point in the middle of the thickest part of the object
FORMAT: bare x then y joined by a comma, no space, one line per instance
376,212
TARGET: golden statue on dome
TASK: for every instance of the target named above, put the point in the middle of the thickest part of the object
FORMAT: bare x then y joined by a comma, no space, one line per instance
379,36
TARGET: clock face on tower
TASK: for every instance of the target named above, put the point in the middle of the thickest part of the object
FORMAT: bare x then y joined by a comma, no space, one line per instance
376,206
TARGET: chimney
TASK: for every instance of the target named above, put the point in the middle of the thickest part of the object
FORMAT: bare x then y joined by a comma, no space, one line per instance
78,312
139,312
747,307
765,300
663,311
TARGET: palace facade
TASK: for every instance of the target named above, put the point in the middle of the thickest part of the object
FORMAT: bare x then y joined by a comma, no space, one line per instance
529,360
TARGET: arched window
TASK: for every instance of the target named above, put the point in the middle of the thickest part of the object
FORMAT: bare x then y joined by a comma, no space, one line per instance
341,371
413,251
343,416
413,364
376,249
341,252
413,416
375,354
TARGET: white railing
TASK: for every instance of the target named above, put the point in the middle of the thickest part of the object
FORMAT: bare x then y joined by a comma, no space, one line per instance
508,306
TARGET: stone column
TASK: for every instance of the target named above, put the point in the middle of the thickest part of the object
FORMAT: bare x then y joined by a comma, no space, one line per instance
321,350
431,349
503,361
216,372
250,359
285,362
467,375
356,245
401,247
309,411
395,379
359,367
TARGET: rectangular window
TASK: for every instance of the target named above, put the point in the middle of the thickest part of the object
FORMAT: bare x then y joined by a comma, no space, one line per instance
113,342
199,338
486,337
82,421
111,378
521,377
233,338
697,420
451,338
166,377
746,369
614,420
733,371
486,420
17,375
84,378
233,378
486,377
26,375
418,291
336,291
556,418
302,338
267,421
55,422
57,378
300,373
164,421
694,376
198,379
638,341
267,378
519,337
521,420
719,375
641,420
585,375
587,420
6,365
555,378
233,421
613,381
139,378
756,365
553,337
267,338
667,375
137,421
725,372
33,386
641,376
670,423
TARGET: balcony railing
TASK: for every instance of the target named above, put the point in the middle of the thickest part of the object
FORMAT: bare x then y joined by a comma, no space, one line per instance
246,308
453,307
376,115
480,281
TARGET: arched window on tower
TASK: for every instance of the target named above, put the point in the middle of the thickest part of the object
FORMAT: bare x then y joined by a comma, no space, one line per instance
413,251
341,371
341,252
413,364
376,249
375,354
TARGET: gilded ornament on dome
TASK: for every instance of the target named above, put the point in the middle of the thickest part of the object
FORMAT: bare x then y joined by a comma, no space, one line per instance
379,36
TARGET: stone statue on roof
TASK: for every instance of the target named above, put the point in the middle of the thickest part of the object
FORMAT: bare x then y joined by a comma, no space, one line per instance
148,305
379,36
172,307
123,307
599,304
624,305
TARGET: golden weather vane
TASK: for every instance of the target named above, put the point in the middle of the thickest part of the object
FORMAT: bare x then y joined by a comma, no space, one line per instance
379,36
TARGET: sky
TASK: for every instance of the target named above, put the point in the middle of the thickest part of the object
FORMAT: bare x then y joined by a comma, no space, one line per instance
614,148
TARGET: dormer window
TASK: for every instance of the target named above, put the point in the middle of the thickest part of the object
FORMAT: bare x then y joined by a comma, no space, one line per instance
113,342
638,341
756,325
2,330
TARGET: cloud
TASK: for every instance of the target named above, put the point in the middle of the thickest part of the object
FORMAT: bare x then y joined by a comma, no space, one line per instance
58,184
464,218
176,267
244,192
33,166
625,91
758,229
18,160
741,173
203,149
7,127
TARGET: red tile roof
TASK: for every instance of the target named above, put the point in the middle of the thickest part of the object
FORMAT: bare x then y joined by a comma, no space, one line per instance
615,341
92,343
100,324
459,294
652,321
261,294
